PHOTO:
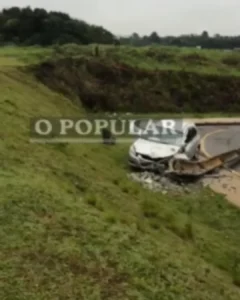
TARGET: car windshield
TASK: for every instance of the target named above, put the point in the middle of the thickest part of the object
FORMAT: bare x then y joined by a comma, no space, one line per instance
168,139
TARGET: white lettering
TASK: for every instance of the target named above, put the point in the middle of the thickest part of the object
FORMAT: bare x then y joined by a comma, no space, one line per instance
46,123
65,124
88,125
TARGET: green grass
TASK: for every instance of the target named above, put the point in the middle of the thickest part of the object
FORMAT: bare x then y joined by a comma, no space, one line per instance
174,58
218,62
11,55
74,227
187,59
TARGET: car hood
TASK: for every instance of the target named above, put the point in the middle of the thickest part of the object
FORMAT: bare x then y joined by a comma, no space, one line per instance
155,149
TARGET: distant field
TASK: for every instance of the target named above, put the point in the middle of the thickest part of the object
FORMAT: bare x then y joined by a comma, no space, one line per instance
188,59
149,58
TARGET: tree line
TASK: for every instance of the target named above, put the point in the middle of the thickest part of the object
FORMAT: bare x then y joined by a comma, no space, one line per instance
27,26
203,40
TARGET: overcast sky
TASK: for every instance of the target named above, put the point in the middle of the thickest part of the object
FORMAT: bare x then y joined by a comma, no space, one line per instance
167,17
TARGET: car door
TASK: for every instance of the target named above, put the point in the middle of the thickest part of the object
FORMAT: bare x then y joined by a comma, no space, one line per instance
192,142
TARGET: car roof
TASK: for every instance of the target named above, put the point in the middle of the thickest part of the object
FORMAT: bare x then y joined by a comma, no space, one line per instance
181,125
187,124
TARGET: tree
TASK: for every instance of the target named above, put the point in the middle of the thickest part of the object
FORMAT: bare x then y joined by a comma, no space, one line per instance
205,34
27,27
154,38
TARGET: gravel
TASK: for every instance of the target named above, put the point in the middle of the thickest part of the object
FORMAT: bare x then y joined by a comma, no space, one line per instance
163,184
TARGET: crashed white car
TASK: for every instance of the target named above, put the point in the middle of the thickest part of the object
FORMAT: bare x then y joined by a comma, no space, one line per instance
153,151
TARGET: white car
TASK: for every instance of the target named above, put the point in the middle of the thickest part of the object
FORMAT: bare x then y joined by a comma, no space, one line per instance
151,151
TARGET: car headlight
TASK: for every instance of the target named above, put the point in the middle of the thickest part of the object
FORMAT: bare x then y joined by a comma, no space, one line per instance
132,150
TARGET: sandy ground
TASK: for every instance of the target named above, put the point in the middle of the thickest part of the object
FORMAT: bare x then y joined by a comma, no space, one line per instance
227,184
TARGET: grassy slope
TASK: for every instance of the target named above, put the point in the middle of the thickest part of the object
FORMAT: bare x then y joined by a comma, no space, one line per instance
147,79
173,58
74,227
149,58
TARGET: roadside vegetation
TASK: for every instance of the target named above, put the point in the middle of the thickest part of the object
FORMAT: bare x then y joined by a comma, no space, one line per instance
149,58
145,80
138,80
72,224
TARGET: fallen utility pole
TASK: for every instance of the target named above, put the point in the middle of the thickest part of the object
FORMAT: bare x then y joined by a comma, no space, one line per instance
184,169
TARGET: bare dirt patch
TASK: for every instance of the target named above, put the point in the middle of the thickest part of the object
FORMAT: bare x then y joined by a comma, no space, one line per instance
228,184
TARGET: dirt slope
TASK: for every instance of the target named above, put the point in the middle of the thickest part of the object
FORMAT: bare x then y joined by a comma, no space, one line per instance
102,84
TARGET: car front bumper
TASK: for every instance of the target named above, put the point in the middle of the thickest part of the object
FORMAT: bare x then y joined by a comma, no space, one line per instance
148,164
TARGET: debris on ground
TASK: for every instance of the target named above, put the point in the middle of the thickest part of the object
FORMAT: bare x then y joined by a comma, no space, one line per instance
195,169
183,176
161,183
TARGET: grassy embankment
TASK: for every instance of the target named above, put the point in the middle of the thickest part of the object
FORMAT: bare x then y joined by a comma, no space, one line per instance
140,80
147,80
74,227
